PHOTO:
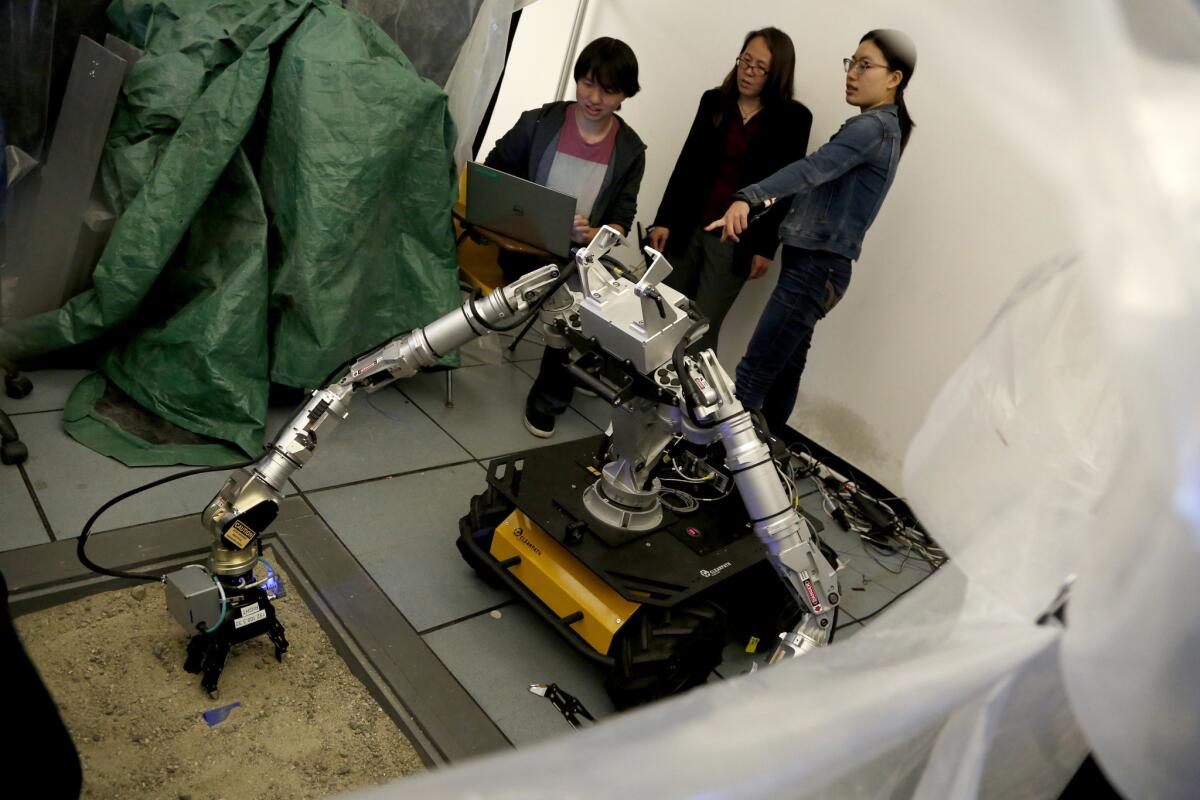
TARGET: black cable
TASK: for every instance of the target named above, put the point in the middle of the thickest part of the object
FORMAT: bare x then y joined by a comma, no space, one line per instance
691,392
141,576
533,309
883,607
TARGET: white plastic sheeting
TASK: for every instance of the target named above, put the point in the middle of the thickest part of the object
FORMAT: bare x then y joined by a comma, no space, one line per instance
475,74
430,32
1066,444
458,44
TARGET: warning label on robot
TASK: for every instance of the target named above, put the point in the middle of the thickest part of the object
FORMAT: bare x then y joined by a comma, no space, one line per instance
239,534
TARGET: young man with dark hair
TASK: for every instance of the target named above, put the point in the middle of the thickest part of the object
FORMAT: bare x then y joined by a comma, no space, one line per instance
583,149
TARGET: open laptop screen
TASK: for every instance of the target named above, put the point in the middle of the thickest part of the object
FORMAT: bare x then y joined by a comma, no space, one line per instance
520,209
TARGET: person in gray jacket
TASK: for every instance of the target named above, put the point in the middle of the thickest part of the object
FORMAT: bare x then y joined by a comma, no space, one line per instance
583,149
836,193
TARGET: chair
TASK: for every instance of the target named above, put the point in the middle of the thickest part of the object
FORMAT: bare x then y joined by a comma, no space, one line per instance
478,256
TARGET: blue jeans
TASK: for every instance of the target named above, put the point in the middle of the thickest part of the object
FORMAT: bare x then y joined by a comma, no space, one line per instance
768,377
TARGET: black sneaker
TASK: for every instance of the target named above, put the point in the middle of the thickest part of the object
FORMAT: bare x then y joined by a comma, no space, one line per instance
540,425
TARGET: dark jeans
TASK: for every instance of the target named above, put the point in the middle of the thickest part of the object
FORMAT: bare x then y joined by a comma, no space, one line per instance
703,270
554,387
768,377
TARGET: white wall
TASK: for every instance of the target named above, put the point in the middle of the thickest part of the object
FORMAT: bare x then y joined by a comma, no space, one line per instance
968,214
534,64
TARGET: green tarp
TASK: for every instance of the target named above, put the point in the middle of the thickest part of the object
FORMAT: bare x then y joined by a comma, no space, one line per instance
285,179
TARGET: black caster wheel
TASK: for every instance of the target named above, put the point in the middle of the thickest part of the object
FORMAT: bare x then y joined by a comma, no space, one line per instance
13,452
17,386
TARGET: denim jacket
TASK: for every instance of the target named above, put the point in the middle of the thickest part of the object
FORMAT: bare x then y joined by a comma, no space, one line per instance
839,188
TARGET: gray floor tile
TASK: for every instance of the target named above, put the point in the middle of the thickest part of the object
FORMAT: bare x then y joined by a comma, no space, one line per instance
489,405
497,659
468,359
862,595
402,530
846,630
72,481
528,349
484,350
20,525
51,388
384,434
833,535
896,572
597,410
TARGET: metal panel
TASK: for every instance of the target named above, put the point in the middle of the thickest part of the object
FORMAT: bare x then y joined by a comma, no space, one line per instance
123,49
43,266
99,217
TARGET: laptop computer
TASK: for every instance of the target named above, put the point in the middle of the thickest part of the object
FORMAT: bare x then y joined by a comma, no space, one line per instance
521,209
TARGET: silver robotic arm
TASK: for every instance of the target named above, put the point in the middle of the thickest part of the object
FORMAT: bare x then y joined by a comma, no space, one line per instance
645,323
783,531
637,322
250,498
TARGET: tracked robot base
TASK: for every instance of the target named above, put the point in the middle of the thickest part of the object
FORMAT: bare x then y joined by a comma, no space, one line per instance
649,547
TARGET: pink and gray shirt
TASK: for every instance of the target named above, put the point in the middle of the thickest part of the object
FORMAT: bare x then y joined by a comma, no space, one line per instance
578,168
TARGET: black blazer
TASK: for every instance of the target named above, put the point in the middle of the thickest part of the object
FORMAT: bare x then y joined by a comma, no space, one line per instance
782,139
519,152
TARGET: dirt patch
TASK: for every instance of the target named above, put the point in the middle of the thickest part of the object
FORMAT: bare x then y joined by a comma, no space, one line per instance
305,728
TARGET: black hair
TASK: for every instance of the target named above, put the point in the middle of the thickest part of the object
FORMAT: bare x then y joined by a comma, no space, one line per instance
611,63
782,75
901,55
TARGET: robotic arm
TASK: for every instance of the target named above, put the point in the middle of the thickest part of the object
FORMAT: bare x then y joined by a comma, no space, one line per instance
647,326
222,600
249,500
637,329
778,525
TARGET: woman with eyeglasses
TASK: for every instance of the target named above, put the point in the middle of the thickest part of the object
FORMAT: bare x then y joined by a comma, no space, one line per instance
836,193
744,130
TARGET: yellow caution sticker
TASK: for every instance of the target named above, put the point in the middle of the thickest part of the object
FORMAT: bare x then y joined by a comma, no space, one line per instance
239,534
752,645
593,470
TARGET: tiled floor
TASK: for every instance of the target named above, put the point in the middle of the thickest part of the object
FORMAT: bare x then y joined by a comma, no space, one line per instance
392,482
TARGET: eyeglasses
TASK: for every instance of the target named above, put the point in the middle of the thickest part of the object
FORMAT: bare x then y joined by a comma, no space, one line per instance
860,66
750,67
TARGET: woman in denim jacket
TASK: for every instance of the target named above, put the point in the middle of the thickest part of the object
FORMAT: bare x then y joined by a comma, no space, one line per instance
837,192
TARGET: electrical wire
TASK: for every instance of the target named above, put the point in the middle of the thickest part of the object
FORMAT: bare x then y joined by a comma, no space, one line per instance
841,501
224,607
81,544
267,577
691,501
884,607
688,504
